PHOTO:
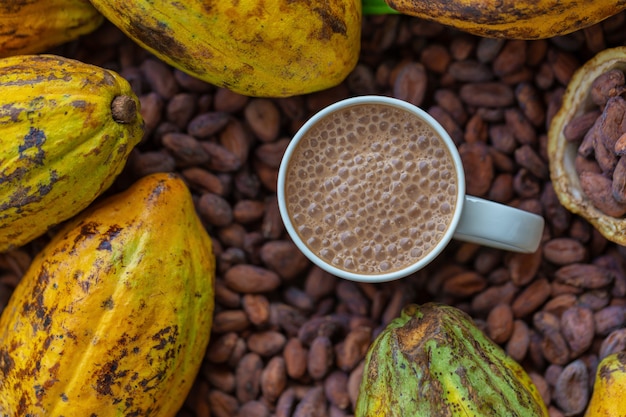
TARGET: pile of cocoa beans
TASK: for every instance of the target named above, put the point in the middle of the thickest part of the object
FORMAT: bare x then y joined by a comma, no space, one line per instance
289,339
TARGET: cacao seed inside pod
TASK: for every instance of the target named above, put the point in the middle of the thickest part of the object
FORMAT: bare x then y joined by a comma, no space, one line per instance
564,154
433,361
113,316
66,130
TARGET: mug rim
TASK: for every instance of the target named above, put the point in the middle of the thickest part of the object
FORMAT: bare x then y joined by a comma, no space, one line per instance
411,268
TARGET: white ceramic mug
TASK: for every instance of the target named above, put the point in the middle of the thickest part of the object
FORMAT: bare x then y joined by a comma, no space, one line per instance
474,219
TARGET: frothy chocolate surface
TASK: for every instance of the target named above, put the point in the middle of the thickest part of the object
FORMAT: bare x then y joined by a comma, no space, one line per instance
371,189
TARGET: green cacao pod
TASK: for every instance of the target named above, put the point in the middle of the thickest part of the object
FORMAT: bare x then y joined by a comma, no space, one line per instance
114,315
434,361
66,130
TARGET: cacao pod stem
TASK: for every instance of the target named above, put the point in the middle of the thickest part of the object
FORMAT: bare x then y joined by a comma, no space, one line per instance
123,109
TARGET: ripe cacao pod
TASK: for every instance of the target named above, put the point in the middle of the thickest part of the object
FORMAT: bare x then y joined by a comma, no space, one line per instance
66,130
609,386
510,19
434,361
271,48
113,316
562,153
33,26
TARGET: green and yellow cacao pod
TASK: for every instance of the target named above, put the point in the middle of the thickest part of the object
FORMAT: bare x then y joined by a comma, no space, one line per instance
509,19
434,361
271,48
114,315
609,386
33,26
66,130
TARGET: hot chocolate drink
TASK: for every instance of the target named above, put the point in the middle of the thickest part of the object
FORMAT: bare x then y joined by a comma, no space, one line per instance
371,189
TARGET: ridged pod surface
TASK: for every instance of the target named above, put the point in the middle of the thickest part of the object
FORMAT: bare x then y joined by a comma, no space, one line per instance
114,315
433,361
271,48
33,26
609,386
512,19
66,130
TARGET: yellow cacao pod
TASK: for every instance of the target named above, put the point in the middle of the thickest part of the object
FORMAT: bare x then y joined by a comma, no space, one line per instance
270,48
609,386
33,26
513,19
66,130
113,316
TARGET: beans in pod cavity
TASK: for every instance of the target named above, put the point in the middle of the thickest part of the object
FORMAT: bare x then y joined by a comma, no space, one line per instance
290,339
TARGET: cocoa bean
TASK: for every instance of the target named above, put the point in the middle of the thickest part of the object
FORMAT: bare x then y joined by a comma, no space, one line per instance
487,94
470,71
524,267
577,327
160,78
230,321
607,85
464,285
477,161
519,341
253,409
283,258
266,343
563,251
222,404
411,83
295,355
205,125
257,308
578,126
248,376
251,279
618,185
215,210
320,357
313,404
571,392
608,319
221,347
273,379
336,389
353,348
500,323
584,275
531,298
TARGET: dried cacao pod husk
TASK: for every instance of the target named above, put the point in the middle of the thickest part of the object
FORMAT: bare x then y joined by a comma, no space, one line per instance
577,100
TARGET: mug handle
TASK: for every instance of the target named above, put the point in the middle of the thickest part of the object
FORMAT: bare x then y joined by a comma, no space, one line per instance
499,226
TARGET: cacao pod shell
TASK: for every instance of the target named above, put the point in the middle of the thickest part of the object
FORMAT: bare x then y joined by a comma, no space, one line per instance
33,26
113,316
434,361
512,19
609,386
562,153
66,130
257,48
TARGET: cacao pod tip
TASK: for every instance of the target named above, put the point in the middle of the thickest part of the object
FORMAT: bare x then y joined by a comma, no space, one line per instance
124,109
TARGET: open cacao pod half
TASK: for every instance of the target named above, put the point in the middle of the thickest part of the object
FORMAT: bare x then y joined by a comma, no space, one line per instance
586,141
